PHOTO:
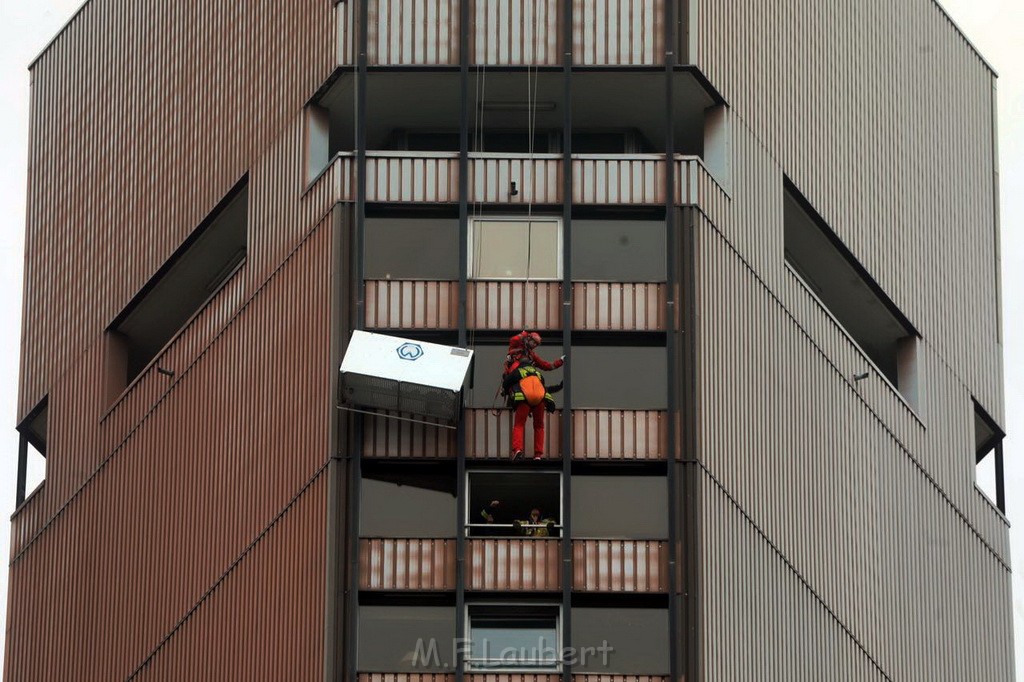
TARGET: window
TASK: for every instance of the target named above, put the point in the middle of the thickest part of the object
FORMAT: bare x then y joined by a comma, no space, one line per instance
199,268
501,503
416,503
515,248
988,457
32,452
507,638
626,507
629,641
411,248
630,377
824,264
618,250
406,639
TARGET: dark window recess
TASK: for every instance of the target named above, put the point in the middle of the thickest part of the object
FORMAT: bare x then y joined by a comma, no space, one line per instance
618,250
196,271
620,640
399,639
988,457
520,637
619,377
411,248
855,300
517,141
407,504
501,502
32,434
620,507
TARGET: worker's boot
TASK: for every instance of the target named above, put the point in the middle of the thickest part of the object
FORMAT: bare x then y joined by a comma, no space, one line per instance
517,455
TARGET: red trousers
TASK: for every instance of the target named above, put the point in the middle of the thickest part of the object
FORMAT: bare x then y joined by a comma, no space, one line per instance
522,411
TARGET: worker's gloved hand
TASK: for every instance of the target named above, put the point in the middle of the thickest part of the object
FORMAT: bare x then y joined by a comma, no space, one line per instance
495,503
562,358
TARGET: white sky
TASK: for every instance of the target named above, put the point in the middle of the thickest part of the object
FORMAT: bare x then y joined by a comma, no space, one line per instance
994,26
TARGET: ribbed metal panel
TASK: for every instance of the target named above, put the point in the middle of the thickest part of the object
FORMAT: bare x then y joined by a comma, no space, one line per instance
385,437
514,564
422,177
197,454
411,304
620,565
878,525
514,179
259,64
406,564
264,619
489,434
628,179
512,677
619,434
514,305
413,32
406,677
516,32
910,182
616,32
619,306
345,30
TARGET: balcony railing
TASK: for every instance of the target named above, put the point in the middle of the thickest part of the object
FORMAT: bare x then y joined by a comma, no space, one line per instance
502,305
506,32
511,179
513,564
420,564
598,435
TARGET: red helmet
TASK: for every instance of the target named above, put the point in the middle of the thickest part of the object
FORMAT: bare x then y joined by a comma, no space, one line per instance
532,340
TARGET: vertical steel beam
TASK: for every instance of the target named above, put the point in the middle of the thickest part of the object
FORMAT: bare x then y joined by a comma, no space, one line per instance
460,467
1000,490
355,450
19,492
674,384
567,7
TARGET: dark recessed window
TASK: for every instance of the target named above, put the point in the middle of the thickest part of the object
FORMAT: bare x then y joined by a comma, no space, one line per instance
407,504
827,267
199,268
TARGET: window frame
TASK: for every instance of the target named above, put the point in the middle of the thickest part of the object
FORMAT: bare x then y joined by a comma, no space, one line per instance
514,609
469,525
471,239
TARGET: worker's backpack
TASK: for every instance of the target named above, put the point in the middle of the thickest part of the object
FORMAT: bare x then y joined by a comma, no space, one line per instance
532,389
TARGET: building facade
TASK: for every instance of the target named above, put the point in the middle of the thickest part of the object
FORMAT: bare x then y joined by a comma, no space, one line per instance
764,237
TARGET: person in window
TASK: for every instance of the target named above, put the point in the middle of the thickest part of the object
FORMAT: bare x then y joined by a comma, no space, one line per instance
523,386
535,526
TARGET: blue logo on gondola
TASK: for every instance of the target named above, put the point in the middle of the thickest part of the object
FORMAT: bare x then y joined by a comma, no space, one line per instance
410,351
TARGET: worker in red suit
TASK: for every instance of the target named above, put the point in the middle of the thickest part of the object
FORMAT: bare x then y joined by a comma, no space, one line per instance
523,385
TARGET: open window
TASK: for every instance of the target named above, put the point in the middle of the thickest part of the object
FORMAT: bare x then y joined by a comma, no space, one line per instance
988,457
514,504
519,637
824,264
515,248
32,452
192,275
